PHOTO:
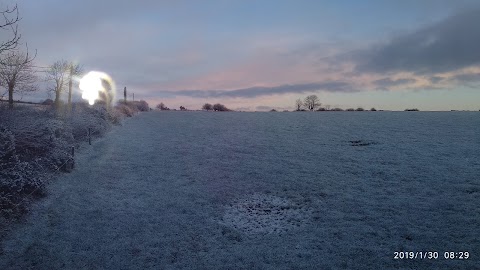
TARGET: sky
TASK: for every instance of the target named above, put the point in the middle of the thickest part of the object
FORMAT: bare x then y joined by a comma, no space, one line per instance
259,55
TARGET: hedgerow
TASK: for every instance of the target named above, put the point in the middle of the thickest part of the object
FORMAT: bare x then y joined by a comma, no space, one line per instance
36,142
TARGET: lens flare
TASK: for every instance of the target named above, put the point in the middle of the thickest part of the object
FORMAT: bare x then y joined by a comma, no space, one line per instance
95,83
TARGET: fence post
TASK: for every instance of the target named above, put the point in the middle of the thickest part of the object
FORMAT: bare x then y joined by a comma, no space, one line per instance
89,136
73,157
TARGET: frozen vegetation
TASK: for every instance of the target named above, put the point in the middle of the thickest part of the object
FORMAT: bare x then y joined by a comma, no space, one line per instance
198,190
36,142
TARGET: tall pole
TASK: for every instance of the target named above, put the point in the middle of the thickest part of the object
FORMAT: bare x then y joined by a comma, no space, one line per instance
70,87
125,94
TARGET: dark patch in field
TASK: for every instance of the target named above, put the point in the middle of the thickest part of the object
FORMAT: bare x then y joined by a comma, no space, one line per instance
473,190
361,143
265,214
231,234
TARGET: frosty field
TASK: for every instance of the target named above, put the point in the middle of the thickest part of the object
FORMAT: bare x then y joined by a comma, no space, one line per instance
198,190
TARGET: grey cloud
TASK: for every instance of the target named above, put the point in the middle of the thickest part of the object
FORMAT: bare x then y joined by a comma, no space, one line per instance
387,82
436,79
467,79
252,92
471,80
472,77
445,46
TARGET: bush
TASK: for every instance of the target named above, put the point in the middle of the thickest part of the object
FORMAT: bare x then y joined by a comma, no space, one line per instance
115,117
96,117
220,107
17,178
36,141
125,110
130,108
207,106
44,140
141,105
7,148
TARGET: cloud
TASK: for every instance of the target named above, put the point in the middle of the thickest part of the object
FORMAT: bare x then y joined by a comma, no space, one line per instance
436,79
448,45
253,92
166,45
386,83
471,77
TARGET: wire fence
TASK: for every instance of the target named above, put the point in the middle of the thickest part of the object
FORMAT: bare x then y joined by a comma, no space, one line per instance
17,202
68,164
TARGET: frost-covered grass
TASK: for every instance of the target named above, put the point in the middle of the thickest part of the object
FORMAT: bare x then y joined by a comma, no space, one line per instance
197,190
35,142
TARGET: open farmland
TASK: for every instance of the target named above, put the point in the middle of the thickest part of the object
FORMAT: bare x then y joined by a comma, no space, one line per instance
336,190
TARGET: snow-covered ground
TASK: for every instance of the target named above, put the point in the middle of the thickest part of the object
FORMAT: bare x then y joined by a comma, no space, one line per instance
198,190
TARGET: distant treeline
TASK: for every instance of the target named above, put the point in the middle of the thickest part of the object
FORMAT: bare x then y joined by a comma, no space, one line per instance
207,107
312,103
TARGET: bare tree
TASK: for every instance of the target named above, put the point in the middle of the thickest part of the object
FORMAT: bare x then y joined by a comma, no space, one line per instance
10,19
73,70
207,106
312,102
17,74
299,104
58,73
162,107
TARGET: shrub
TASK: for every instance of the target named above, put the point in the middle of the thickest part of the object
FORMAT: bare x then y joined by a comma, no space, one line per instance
96,117
36,140
125,110
207,106
17,177
142,105
47,140
162,107
7,148
220,107
130,108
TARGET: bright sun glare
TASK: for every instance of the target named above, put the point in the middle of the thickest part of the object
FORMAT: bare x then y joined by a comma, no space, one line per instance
91,85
